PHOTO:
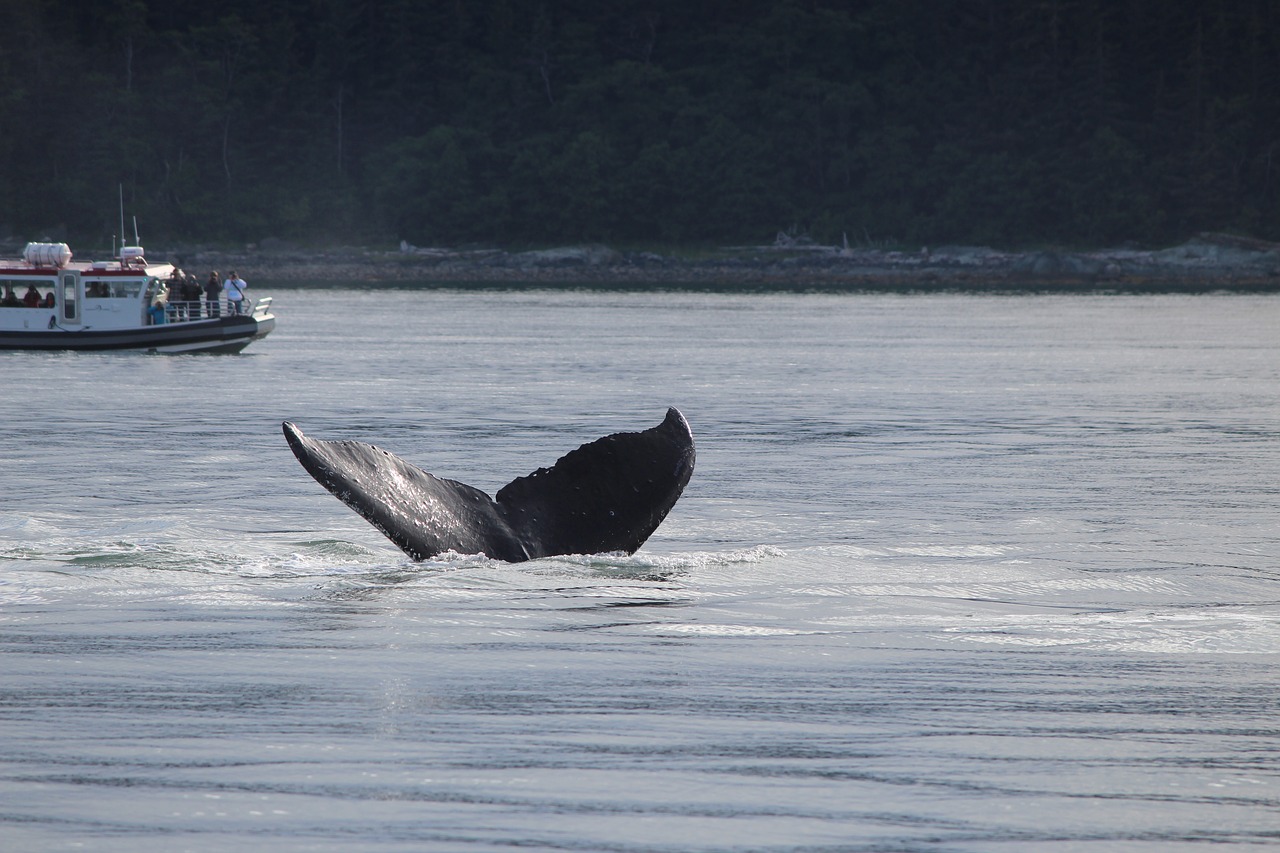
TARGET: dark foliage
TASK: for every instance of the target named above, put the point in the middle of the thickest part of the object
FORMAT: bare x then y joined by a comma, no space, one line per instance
628,121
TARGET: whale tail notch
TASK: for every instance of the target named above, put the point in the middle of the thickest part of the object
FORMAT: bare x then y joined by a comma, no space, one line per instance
606,496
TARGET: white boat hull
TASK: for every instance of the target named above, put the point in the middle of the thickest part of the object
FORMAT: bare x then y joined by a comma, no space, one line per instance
223,334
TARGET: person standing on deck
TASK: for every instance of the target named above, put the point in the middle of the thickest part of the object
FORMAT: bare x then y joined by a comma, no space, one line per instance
212,293
177,300
234,286
191,292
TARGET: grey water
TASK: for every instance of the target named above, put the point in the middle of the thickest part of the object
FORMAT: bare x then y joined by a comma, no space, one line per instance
955,572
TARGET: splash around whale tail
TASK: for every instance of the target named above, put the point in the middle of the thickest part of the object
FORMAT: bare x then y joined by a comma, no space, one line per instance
608,495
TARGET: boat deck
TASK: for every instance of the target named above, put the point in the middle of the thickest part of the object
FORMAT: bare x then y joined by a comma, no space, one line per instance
203,309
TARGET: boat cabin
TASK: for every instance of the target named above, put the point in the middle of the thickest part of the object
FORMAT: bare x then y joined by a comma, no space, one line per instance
46,291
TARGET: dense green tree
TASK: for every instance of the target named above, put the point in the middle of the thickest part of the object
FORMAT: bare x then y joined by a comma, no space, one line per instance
501,121
439,188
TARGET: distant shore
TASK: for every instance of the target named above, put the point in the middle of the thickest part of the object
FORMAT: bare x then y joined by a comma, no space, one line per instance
1209,261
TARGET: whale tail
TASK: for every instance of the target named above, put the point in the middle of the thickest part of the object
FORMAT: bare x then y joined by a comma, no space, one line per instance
608,495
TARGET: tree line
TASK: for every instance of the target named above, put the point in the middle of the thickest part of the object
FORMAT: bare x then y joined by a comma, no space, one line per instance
446,122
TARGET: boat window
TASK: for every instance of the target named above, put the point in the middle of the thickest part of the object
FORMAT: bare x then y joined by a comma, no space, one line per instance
19,286
127,289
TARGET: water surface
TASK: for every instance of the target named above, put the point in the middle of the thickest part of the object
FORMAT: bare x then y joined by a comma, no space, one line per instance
954,573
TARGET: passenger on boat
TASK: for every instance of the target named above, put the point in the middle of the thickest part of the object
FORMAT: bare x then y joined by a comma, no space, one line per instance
31,298
191,295
234,286
10,298
49,301
178,302
212,292
157,309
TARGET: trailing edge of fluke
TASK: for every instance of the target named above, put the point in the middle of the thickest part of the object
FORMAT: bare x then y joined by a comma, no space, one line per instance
608,495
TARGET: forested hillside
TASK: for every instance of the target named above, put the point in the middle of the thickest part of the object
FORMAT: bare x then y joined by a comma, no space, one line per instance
1004,122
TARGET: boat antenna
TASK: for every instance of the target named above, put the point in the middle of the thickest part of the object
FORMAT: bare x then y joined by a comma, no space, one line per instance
121,216
136,239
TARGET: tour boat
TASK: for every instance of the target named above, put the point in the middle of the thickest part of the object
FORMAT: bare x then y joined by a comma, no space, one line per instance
49,302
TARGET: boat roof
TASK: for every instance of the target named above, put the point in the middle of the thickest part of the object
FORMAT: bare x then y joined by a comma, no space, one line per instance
107,269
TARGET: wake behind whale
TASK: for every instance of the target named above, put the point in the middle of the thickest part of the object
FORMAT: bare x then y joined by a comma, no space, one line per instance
608,495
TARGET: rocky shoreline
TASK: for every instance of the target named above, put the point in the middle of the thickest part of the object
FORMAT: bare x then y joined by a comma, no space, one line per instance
1209,261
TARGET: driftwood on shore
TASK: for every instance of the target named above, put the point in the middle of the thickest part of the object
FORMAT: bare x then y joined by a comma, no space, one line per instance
1208,261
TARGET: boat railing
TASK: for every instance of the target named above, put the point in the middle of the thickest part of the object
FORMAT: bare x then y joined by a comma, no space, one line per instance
182,311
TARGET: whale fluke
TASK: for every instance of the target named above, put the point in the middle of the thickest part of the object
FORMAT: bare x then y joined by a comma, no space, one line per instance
608,495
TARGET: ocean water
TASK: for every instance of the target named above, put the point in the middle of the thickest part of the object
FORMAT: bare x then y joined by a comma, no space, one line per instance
955,572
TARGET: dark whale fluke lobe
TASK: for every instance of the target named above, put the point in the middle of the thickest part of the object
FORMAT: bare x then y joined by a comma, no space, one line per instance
608,495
